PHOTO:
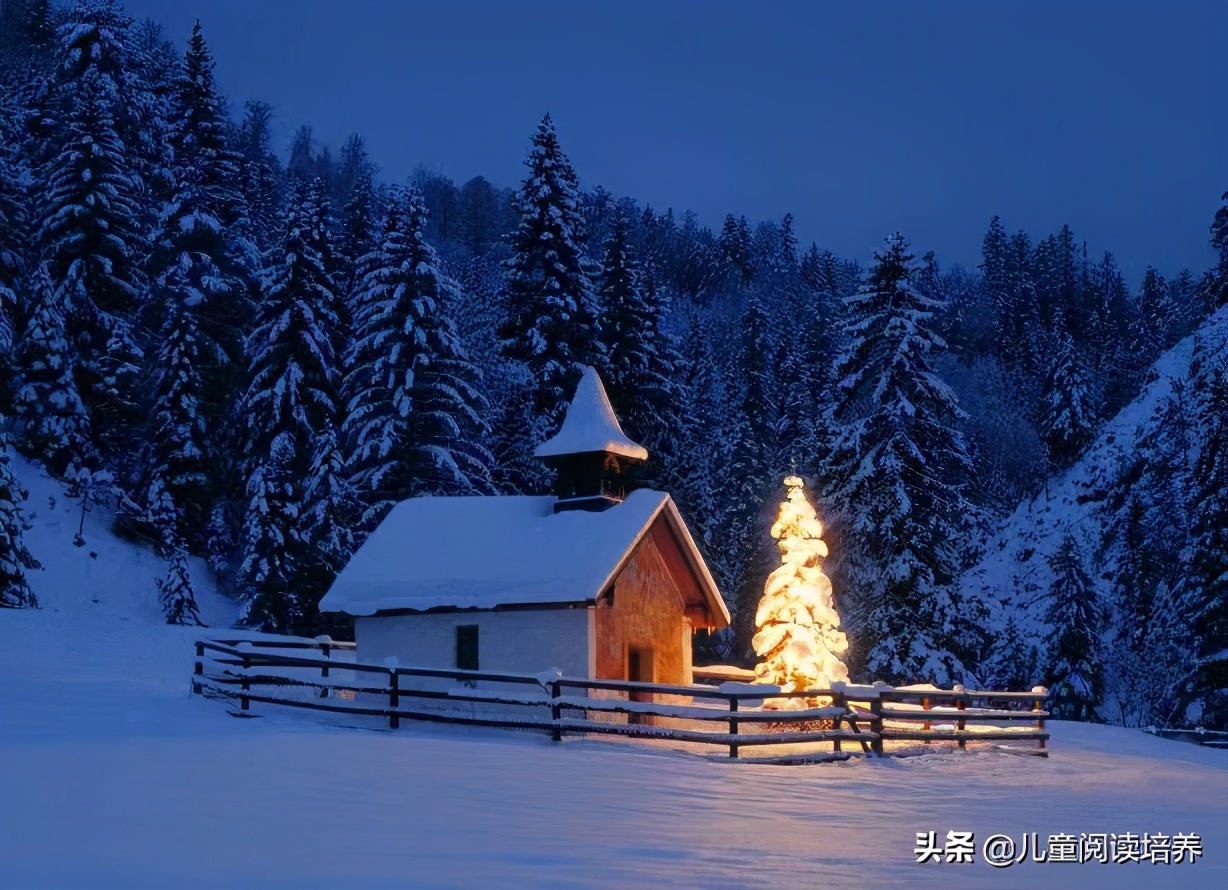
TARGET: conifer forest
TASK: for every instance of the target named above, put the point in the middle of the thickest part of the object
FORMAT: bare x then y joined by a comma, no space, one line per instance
250,351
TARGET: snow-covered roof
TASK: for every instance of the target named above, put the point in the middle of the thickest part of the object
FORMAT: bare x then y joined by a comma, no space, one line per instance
590,425
482,552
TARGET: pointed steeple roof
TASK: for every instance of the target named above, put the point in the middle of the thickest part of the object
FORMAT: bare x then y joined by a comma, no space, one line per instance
590,425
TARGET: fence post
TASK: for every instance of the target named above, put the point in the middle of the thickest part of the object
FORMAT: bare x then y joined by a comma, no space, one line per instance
733,725
925,727
837,700
876,725
244,704
1037,707
556,731
199,670
394,698
961,722
324,646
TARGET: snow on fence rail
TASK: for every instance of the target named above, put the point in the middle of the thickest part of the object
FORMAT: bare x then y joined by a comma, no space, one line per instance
731,715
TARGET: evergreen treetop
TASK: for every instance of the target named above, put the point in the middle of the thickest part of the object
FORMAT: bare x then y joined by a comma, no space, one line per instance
551,324
293,362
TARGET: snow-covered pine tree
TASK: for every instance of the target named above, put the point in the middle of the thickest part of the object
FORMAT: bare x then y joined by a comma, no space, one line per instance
293,367
798,633
737,248
260,173
811,342
90,237
1026,356
358,228
704,447
816,270
413,422
1205,599
1002,289
13,227
92,35
642,357
1075,671
898,473
750,431
158,68
202,277
1057,277
514,426
90,215
509,416
995,249
268,578
155,64
1187,307
687,258
1151,501
291,400
552,317
788,244
1148,661
1119,369
795,434
219,540
206,166
1069,419
15,558
55,426
1154,319
177,462
325,526
178,599
1215,289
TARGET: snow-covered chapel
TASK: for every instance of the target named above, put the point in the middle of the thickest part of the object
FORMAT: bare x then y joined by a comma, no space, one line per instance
598,579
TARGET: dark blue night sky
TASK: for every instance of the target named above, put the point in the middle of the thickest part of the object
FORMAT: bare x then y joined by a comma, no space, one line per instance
858,118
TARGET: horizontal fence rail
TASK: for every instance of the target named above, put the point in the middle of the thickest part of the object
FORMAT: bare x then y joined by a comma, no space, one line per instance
1212,738
734,715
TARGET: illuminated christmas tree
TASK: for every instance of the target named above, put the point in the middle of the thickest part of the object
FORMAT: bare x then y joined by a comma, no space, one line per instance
798,630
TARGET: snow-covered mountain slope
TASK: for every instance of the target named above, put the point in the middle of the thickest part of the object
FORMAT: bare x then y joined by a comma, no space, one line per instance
1013,575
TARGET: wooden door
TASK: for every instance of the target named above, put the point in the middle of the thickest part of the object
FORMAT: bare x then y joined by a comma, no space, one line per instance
640,669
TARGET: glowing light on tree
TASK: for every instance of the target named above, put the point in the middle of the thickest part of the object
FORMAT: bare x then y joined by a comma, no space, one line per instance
798,629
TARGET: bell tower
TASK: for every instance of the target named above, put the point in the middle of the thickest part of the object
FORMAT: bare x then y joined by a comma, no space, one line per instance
591,455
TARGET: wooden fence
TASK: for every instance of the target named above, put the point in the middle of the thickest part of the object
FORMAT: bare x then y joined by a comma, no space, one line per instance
1211,738
852,719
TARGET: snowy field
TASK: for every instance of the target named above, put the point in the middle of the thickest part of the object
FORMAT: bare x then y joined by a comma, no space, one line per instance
112,775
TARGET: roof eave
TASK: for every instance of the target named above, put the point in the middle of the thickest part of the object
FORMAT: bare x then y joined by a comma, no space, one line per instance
500,607
716,603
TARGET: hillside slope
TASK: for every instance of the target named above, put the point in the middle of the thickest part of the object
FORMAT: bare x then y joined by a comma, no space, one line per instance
1013,576
115,578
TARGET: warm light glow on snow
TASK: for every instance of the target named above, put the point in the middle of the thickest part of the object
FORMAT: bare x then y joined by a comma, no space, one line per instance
798,630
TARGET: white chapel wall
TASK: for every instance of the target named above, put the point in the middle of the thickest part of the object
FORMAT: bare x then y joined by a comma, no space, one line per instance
525,641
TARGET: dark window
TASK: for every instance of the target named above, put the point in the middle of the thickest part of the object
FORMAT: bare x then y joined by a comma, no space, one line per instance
467,647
